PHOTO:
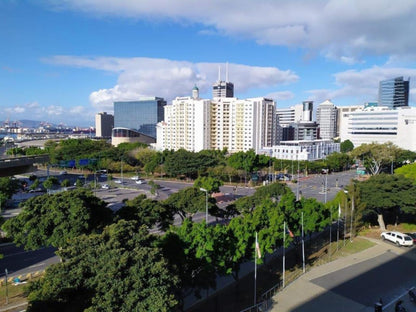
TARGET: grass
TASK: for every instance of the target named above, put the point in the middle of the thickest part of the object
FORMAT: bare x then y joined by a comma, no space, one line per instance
16,294
408,227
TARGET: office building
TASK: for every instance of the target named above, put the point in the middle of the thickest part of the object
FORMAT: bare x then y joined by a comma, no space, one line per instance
342,116
223,88
393,93
137,119
381,125
326,117
104,123
304,149
288,116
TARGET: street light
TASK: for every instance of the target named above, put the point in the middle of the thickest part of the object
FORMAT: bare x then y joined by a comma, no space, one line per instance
206,203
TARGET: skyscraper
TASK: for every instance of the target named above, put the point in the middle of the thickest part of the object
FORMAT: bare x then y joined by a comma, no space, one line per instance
223,88
393,93
326,117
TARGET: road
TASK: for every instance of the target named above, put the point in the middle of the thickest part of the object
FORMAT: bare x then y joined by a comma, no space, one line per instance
18,261
353,283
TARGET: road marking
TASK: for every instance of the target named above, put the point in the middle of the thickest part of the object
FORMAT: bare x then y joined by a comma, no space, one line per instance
36,265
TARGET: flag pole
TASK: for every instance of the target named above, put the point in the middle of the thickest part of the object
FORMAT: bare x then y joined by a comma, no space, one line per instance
284,256
352,213
339,216
330,234
303,247
255,270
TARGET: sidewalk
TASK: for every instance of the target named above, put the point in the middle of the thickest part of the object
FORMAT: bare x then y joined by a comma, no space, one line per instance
308,294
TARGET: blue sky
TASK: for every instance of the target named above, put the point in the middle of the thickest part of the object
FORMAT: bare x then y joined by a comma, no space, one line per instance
63,61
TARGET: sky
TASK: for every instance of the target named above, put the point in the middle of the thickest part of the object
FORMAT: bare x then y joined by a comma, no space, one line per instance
63,61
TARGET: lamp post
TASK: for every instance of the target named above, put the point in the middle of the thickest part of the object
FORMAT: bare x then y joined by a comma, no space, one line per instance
206,203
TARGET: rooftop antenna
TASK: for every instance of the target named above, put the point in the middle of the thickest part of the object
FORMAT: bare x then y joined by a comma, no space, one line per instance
226,72
219,73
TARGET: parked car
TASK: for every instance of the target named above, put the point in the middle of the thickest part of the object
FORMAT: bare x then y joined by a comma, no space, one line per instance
413,236
135,178
140,181
118,181
63,172
397,238
105,186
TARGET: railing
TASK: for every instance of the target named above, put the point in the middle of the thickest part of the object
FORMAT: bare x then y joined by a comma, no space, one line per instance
23,160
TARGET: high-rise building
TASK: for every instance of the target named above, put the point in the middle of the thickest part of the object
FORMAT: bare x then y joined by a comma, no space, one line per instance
286,117
104,123
393,93
326,117
141,115
241,125
222,123
186,125
223,88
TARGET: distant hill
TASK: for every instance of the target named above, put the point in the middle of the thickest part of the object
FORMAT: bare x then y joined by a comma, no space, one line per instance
26,123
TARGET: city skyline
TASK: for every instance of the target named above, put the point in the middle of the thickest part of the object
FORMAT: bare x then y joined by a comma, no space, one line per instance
65,61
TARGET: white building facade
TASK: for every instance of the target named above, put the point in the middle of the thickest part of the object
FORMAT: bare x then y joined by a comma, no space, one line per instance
326,117
381,125
185,126
304,150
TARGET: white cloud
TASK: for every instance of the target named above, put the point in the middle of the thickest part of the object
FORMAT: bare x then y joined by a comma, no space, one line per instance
141,76
363,85
344,30
281,95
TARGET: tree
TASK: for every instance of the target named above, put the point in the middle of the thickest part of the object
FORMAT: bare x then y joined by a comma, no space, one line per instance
53,220
50,182
346,146
212,185
338,161
120,269
387,197
408,171
376,156
8,187
188,201
146,212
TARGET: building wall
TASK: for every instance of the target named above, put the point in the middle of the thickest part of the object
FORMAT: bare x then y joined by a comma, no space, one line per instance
342,117
393,93
104,123
305,150
381,125
141,115
185,126
326,117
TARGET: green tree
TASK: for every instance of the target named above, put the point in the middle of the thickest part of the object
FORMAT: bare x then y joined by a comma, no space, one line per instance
346,146
117,270
146,212
376,156
65,183
188,201
50,182
387,197
8,187
338,161
54,220
408,171
212,185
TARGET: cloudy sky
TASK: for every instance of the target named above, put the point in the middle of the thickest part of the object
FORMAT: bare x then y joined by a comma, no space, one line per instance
63,61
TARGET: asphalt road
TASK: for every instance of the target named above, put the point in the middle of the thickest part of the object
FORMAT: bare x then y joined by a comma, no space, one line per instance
18,261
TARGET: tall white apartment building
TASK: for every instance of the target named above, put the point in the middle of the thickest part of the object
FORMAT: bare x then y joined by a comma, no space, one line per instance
381,125
186,125
241,125
326,117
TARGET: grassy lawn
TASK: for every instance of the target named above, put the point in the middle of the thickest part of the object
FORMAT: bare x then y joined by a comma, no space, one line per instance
16,294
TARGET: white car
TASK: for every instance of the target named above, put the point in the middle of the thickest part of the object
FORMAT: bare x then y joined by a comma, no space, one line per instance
105,186
140,181
397,238
118,181
135,178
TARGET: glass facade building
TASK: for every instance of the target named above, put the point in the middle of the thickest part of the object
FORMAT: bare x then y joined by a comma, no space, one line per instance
393,93
141,116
